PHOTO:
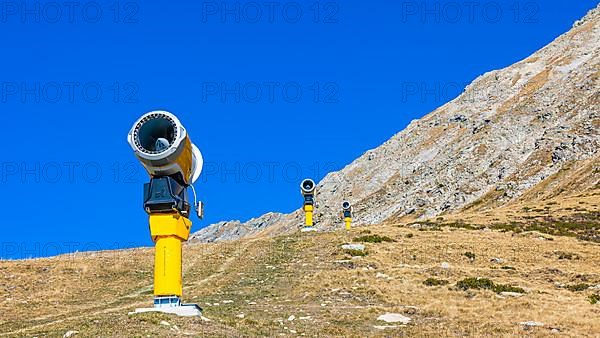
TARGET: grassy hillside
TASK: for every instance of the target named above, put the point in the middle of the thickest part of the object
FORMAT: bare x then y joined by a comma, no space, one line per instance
306,284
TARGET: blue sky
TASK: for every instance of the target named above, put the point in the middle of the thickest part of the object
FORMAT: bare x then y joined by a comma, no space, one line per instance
271,92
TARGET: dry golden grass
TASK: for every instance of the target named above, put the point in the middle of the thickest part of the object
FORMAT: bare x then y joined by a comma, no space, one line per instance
309,276
585,206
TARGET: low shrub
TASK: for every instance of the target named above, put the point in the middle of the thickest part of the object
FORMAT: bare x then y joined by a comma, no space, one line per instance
486,284
469,255
567,255
577,287
355,253
435,282
373,239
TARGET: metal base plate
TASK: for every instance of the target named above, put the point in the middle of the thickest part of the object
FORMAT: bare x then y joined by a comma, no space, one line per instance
185,310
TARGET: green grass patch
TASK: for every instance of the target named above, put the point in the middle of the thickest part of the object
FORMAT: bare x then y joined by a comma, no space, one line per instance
355,253
567,255
469,255
577,287
486,284
435,282
372,239
582,225
595,298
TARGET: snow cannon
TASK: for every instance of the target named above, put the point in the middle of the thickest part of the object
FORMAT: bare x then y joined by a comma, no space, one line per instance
163,146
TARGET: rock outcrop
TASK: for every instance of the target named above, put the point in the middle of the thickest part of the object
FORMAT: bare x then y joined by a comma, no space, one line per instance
507,134
230,230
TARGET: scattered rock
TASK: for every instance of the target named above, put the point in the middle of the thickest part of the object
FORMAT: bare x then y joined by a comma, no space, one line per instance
383,327
291,318
164,323
346,263
227,301
421,202
511,294
204,319
382,276
458,118
70,333
445,265
529,324
394,318
357,247
241,315
411,310
497,260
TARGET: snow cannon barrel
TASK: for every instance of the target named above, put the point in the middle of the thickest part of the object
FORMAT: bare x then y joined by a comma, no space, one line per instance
307,187
163,146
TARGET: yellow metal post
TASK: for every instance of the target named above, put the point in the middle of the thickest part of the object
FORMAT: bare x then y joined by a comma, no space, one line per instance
347,221
308,212
167,266
168,231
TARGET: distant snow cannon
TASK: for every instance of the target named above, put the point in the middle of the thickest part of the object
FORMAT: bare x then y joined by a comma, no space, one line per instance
308,189
347,214
174,163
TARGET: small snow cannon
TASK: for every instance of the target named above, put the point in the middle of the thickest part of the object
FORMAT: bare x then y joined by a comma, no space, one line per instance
347,214
307,189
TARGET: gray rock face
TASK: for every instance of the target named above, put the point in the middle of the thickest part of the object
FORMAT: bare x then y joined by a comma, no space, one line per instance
224,231
508,131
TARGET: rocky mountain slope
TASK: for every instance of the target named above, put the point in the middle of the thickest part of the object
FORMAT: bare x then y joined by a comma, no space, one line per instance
509,136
